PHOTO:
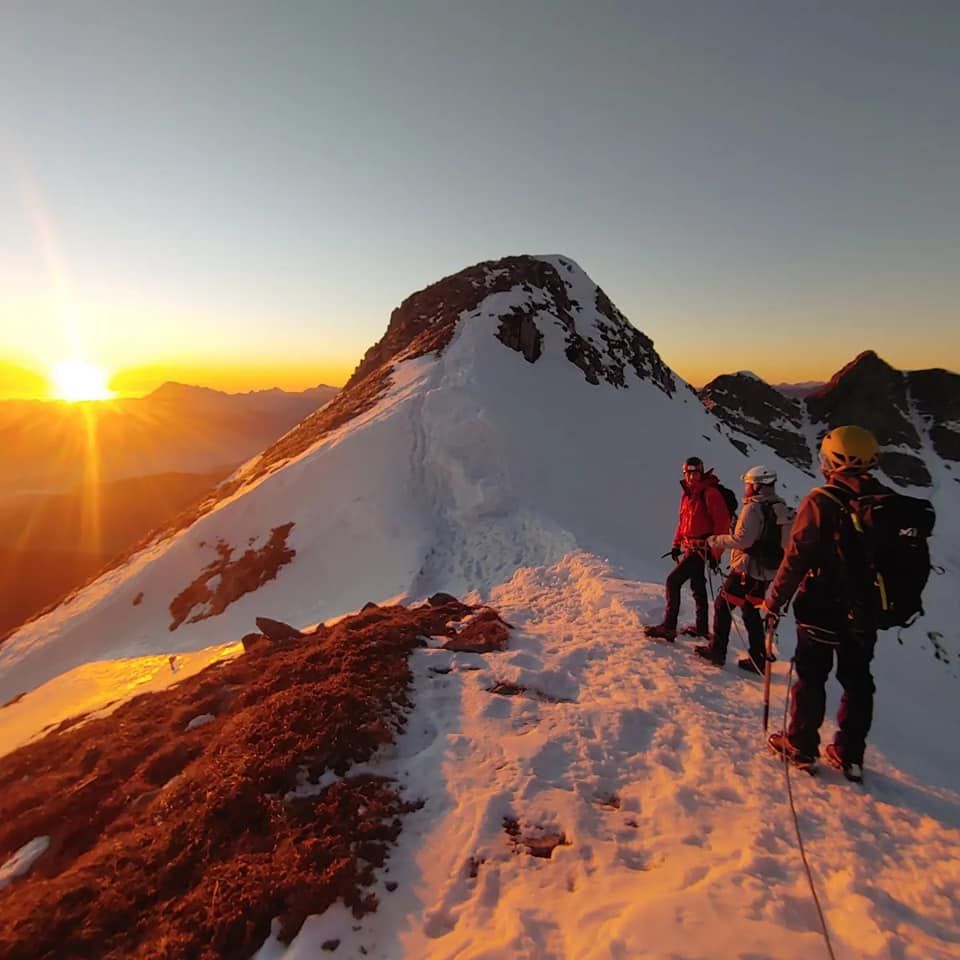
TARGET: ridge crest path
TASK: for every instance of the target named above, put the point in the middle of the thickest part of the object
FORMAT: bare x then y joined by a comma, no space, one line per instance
644,773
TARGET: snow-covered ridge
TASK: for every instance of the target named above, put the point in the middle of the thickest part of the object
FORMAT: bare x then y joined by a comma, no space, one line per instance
450,460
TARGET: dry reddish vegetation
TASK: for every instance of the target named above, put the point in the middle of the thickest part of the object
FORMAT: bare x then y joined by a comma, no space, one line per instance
234,578
174,843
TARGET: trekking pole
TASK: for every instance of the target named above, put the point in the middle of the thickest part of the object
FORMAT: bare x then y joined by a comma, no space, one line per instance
768,670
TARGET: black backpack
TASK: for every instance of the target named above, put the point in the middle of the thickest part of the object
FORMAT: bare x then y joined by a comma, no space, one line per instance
887,545
768,547
731,500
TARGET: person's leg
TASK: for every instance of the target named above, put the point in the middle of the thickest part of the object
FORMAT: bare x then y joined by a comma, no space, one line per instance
698,584
723,615
812,661
856,707
677,577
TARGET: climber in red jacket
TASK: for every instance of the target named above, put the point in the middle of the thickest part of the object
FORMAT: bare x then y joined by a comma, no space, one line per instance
703,513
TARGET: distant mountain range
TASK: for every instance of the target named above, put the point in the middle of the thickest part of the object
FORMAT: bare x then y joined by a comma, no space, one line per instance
914,414
798,389
50,446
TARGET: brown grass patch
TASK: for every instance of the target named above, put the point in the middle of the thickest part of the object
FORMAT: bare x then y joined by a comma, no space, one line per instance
233,578
174,843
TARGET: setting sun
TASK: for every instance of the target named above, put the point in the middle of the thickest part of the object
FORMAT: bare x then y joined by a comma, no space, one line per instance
79,380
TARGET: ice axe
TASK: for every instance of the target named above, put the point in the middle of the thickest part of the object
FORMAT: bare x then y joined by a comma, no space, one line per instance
771,633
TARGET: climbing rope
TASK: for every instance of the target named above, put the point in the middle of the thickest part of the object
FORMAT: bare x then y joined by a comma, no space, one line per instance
796,825
786,770
744,646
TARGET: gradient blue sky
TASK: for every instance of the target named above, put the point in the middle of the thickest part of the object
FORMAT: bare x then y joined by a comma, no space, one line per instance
250,188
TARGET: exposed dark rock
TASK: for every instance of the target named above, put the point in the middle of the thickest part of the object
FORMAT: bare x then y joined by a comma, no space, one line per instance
369,605
519,332
754,408
905,468
624,340
484,632
439,599
277,630
505,689
936,396
871,394
250,640
867,392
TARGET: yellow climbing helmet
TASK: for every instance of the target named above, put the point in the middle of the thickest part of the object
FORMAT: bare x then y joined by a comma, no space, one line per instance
848,449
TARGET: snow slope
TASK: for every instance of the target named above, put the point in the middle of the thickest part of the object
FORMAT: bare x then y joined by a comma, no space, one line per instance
678,838
474,462
554,497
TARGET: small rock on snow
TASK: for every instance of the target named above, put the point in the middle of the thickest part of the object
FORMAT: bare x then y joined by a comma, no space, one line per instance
21,862
200,721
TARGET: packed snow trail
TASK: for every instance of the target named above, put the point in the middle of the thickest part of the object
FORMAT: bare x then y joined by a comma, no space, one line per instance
649,766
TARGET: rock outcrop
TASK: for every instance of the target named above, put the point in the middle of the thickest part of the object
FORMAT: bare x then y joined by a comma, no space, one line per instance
754,408
905,411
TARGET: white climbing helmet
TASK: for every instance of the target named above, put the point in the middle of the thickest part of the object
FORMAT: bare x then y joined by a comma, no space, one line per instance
760,474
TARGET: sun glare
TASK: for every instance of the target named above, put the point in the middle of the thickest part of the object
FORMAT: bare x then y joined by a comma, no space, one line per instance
80,380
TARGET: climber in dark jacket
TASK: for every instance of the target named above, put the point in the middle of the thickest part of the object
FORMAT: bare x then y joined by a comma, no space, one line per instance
830,620
703,512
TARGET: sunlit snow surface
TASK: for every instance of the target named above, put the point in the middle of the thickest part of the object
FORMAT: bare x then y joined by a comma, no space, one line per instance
95,689
680,842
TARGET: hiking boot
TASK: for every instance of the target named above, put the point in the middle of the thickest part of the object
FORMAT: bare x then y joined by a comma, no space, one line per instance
691,630
662,632
780,744
709,654
852,771
747,665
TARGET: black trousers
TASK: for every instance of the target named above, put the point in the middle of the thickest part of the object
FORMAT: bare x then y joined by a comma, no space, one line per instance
690,567
813,661
739,592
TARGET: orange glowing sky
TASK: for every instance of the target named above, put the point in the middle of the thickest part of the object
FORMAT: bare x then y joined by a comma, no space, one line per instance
771,193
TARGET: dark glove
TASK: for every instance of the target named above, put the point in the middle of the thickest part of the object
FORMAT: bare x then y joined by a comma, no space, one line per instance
675,554
770,619
714,562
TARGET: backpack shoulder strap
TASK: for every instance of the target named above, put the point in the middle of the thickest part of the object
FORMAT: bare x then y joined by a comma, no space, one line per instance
839,495
843,497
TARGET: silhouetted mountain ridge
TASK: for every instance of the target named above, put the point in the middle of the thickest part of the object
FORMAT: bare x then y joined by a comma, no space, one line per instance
914,414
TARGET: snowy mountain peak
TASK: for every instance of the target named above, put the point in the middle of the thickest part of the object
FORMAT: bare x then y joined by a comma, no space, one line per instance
524,294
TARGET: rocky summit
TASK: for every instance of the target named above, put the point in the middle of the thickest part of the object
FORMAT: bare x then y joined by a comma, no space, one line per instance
915,414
